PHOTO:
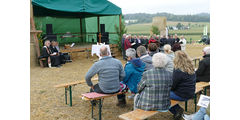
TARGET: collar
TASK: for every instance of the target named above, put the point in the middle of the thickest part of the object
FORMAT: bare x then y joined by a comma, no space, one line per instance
143,56
106,57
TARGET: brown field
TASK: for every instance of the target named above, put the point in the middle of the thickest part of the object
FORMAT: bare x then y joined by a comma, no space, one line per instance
47,102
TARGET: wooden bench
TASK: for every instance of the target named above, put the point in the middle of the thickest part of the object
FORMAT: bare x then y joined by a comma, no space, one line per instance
72,50
140,114
99,98
195,61
204,85
68,87
44,61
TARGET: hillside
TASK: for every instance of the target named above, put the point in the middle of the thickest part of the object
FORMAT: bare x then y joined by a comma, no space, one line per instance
147,18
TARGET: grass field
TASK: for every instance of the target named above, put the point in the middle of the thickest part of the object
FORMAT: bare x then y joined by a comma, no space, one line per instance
196,28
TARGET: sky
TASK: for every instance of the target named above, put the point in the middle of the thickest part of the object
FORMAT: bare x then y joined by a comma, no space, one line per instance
178,7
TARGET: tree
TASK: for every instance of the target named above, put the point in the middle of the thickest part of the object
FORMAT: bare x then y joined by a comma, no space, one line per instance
179,26
155,30
120,33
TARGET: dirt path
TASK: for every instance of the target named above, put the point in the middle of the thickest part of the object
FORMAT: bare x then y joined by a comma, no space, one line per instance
48,103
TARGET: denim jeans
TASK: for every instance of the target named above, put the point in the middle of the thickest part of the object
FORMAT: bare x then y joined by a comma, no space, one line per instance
174,108
201,115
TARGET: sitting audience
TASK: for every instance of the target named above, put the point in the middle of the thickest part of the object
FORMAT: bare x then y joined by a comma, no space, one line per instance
110,73
176,47
133,71
52,57
201,114
54,48
154,88
152,49
203,71
142,53
184,80
170,57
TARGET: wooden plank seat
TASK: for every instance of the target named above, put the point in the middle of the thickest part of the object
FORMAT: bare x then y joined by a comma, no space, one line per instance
140,114
68,87
73,50
44,61
99,98
203,85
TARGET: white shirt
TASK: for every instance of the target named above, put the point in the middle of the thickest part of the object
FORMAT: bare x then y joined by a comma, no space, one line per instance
183,45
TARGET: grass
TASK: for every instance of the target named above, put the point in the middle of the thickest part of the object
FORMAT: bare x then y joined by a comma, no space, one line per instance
195,32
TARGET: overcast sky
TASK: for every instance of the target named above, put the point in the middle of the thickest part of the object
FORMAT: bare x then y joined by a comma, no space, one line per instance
171,6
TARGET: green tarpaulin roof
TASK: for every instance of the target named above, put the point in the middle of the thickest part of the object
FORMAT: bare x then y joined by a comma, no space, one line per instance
74,8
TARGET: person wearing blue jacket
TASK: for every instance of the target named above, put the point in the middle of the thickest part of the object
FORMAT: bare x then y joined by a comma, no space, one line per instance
133,71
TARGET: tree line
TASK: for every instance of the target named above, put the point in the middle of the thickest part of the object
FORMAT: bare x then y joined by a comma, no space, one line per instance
147,18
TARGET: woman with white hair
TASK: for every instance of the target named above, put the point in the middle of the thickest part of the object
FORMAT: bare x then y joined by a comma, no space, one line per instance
133,71
154,88
170,56
203,71
184,80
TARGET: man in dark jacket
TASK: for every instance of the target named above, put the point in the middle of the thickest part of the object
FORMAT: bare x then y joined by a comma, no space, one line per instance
203,71
52,57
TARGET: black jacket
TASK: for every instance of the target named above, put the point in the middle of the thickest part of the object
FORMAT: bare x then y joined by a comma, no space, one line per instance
45,53
203,71
183,84
53,49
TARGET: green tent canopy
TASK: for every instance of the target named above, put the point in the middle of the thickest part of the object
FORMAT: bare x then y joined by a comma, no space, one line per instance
79,17
74,8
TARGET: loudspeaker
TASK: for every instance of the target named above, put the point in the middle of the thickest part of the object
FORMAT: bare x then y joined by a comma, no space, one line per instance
49,29
104,38
102,27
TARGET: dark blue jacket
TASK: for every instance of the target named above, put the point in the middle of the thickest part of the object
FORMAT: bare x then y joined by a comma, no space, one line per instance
183,84
133,73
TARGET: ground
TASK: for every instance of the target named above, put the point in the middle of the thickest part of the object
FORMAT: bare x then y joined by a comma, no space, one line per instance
47,102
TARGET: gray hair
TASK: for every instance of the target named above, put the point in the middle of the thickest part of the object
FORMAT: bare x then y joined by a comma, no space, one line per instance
206,50
103,50
45,42
130,52
167,48
141,50
159,60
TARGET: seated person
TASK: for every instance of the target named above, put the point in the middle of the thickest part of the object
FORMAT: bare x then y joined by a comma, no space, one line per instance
63,57
202,114
152,49
176,47
184,80
110,73
203,71
142,53
52,57
154,88
170,56
133,71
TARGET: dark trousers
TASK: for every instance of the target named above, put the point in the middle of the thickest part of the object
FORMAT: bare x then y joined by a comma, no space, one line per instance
97,89
55,60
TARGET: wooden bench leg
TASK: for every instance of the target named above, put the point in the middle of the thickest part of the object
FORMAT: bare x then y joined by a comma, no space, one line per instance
70,95
100,109
186,102
195,102
205,91
65,95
